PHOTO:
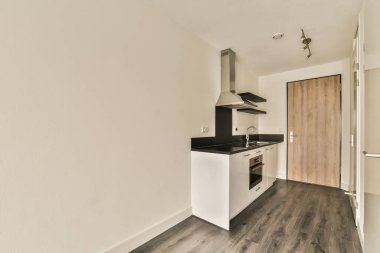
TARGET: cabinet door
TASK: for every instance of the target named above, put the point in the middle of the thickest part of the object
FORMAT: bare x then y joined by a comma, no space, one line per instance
267,166
271,163
239,182
274,162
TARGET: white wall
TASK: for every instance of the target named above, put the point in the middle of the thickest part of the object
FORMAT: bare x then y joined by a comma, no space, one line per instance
361,124
98,102
370,173
372,136
372,90
97,112
372,35
273,88
246,81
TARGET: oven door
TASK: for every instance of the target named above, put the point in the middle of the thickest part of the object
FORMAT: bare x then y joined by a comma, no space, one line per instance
255,175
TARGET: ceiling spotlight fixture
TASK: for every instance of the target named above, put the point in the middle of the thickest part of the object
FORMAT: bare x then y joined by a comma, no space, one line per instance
306,41
277,36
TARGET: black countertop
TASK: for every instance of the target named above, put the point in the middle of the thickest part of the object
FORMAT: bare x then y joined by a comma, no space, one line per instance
232,148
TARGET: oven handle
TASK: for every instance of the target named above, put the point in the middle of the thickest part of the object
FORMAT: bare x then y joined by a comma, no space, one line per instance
257,166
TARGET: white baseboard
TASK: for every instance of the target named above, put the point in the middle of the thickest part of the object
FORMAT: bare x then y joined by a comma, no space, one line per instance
149,233
281,175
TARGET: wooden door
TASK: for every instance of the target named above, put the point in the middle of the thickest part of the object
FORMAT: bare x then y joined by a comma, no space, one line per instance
314,131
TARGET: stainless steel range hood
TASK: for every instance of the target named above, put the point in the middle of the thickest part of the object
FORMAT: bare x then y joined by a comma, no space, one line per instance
227,97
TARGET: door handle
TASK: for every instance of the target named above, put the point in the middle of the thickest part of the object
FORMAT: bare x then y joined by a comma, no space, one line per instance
291,136
373,155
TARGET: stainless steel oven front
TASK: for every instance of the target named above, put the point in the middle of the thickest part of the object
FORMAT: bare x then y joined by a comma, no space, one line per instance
255,171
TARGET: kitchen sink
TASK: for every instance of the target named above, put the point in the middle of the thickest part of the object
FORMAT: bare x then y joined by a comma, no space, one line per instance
263,142
251,144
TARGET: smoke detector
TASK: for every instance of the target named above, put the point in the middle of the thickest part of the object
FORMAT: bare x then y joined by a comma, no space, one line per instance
277,36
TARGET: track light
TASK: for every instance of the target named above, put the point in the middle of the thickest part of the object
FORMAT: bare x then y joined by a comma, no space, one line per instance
306,41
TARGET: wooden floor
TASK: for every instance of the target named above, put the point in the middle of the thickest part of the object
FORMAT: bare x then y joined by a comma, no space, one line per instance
289,217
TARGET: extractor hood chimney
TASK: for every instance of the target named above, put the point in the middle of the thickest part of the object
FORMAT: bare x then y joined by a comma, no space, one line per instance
227,97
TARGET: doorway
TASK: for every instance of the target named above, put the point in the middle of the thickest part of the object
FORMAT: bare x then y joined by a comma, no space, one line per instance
352,187
314,130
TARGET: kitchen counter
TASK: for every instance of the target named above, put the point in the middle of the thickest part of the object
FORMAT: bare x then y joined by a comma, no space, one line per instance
227,177
233,148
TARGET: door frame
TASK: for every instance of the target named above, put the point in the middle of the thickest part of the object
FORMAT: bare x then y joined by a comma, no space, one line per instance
355,55
340,125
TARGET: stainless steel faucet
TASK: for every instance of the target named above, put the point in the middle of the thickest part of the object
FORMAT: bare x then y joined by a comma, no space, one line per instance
247,134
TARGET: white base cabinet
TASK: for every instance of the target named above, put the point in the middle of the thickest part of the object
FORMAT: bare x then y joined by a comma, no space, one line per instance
210,183
220,183
239,183
270,163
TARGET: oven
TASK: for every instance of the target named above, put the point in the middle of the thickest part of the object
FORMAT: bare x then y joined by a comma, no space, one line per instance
255,171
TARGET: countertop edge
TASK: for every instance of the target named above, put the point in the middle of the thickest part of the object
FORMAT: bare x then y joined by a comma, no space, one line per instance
204,150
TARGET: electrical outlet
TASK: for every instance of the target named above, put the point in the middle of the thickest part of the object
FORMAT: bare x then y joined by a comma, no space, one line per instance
204,129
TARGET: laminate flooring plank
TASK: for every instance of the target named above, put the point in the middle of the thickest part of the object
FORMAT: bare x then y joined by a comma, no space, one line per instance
281,228
184,235
290,217
298,242
243,246
256,219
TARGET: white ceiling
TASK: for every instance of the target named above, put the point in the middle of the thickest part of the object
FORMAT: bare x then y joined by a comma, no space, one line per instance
247,26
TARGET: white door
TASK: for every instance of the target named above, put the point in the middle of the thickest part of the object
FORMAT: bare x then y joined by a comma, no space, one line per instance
372,128
353,128
270,161
372,162
239,182
274,162
268,165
